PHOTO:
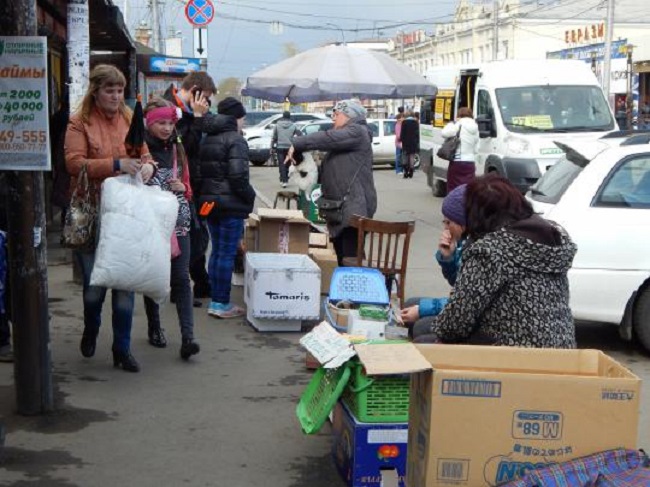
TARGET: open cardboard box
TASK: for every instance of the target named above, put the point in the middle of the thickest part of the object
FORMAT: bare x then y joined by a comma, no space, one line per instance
282,231
481,416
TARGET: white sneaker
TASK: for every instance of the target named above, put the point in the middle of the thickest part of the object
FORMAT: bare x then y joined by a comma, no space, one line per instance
284,185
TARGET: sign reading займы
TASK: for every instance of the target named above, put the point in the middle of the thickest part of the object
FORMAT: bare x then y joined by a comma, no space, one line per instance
24,121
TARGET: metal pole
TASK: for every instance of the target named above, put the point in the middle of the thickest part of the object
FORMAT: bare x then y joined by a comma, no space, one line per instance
401,46
495,45
28,257
157,30
629,105
607,55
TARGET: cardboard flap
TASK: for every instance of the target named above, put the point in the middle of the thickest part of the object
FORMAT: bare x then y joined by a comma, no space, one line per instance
402,358
293,216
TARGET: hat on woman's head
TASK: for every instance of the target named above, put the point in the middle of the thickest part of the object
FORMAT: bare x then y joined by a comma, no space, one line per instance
453,206
351,108
231,106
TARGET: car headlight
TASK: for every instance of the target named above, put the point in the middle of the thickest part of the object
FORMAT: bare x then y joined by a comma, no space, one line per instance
516,145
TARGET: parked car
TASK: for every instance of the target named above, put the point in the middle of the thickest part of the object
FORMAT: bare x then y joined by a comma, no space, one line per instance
383,141
254,117
600,192
259,136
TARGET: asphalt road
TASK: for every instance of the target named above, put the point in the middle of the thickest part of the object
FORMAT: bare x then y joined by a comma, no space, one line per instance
227,417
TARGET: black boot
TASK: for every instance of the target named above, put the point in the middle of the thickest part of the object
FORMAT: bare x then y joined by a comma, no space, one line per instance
126,361
157,337
189,348
88,342
202,290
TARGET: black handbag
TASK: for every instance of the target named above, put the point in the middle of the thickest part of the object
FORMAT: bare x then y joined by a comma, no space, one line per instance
331,210
449,147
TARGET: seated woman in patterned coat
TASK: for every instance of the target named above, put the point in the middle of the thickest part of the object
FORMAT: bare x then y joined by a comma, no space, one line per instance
512,286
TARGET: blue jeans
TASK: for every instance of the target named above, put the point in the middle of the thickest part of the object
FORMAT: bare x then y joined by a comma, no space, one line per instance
398,160
225,234
93,296
182,291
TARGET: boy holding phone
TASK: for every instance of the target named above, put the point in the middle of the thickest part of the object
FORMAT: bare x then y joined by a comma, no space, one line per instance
194,88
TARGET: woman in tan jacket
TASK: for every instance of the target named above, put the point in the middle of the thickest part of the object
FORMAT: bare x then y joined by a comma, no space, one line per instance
95,138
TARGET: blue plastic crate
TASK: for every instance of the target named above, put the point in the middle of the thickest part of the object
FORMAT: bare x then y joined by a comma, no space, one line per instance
358,285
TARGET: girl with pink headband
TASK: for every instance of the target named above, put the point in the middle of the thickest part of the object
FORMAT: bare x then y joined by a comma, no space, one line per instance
172,174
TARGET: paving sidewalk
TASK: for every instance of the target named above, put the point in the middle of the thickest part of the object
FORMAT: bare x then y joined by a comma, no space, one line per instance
225,418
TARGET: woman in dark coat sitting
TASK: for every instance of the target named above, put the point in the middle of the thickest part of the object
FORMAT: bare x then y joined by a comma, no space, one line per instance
512,286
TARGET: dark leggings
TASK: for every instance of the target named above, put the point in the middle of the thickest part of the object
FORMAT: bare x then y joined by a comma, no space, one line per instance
180,281
345,244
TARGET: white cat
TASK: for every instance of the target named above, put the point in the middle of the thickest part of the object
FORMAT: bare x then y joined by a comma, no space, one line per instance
305,174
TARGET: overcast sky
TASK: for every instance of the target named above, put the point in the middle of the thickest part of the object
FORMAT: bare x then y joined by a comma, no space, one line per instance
242,39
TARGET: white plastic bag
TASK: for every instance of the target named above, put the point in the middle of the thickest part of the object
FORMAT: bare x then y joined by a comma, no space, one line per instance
134,250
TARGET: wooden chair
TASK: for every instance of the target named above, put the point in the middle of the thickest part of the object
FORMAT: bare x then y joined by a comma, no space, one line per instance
384,246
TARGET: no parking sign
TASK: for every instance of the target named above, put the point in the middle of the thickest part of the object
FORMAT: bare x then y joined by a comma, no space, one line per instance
199,12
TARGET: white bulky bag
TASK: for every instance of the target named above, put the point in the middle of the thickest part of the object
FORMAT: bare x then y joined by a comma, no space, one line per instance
136,225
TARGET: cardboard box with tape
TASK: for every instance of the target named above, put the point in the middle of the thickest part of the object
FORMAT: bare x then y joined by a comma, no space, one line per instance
282,231
483,416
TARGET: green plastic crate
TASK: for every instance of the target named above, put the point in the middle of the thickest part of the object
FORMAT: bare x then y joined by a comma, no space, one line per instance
381,399
308,207
320,396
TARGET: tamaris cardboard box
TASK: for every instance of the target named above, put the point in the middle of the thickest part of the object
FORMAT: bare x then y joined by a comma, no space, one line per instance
483,416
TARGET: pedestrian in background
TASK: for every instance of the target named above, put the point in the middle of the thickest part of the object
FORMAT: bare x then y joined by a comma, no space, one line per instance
186,98
172,174
225,183
283,133
398,143
346,171
95,139
513,286
463,168
410,138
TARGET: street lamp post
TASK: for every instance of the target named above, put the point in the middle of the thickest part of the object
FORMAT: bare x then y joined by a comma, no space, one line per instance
629,109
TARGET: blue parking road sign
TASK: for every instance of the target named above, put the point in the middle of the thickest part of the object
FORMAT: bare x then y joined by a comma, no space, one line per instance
199,12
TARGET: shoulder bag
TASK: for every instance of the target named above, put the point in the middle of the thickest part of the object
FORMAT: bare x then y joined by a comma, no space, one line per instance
79,228
331,210
449,147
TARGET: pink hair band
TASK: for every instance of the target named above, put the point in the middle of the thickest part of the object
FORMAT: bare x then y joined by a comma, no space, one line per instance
161,113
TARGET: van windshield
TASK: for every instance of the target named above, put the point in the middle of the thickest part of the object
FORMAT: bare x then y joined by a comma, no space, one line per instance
554,109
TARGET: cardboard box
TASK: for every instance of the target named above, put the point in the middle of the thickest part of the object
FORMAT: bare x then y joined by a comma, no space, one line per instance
481,416
338,317
326,260
318,240
362,451
282,286
282,231
371,329
311,363
250,234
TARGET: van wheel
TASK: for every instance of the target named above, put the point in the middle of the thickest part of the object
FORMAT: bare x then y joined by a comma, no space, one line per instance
641,318
439,188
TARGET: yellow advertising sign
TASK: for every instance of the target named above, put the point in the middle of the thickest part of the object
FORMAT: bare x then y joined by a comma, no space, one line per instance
537,121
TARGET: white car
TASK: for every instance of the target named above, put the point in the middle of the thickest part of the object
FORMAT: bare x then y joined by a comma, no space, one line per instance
259,136
383,140
599,192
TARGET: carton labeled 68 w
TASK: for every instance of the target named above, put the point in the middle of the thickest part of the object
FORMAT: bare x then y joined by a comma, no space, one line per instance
483,416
